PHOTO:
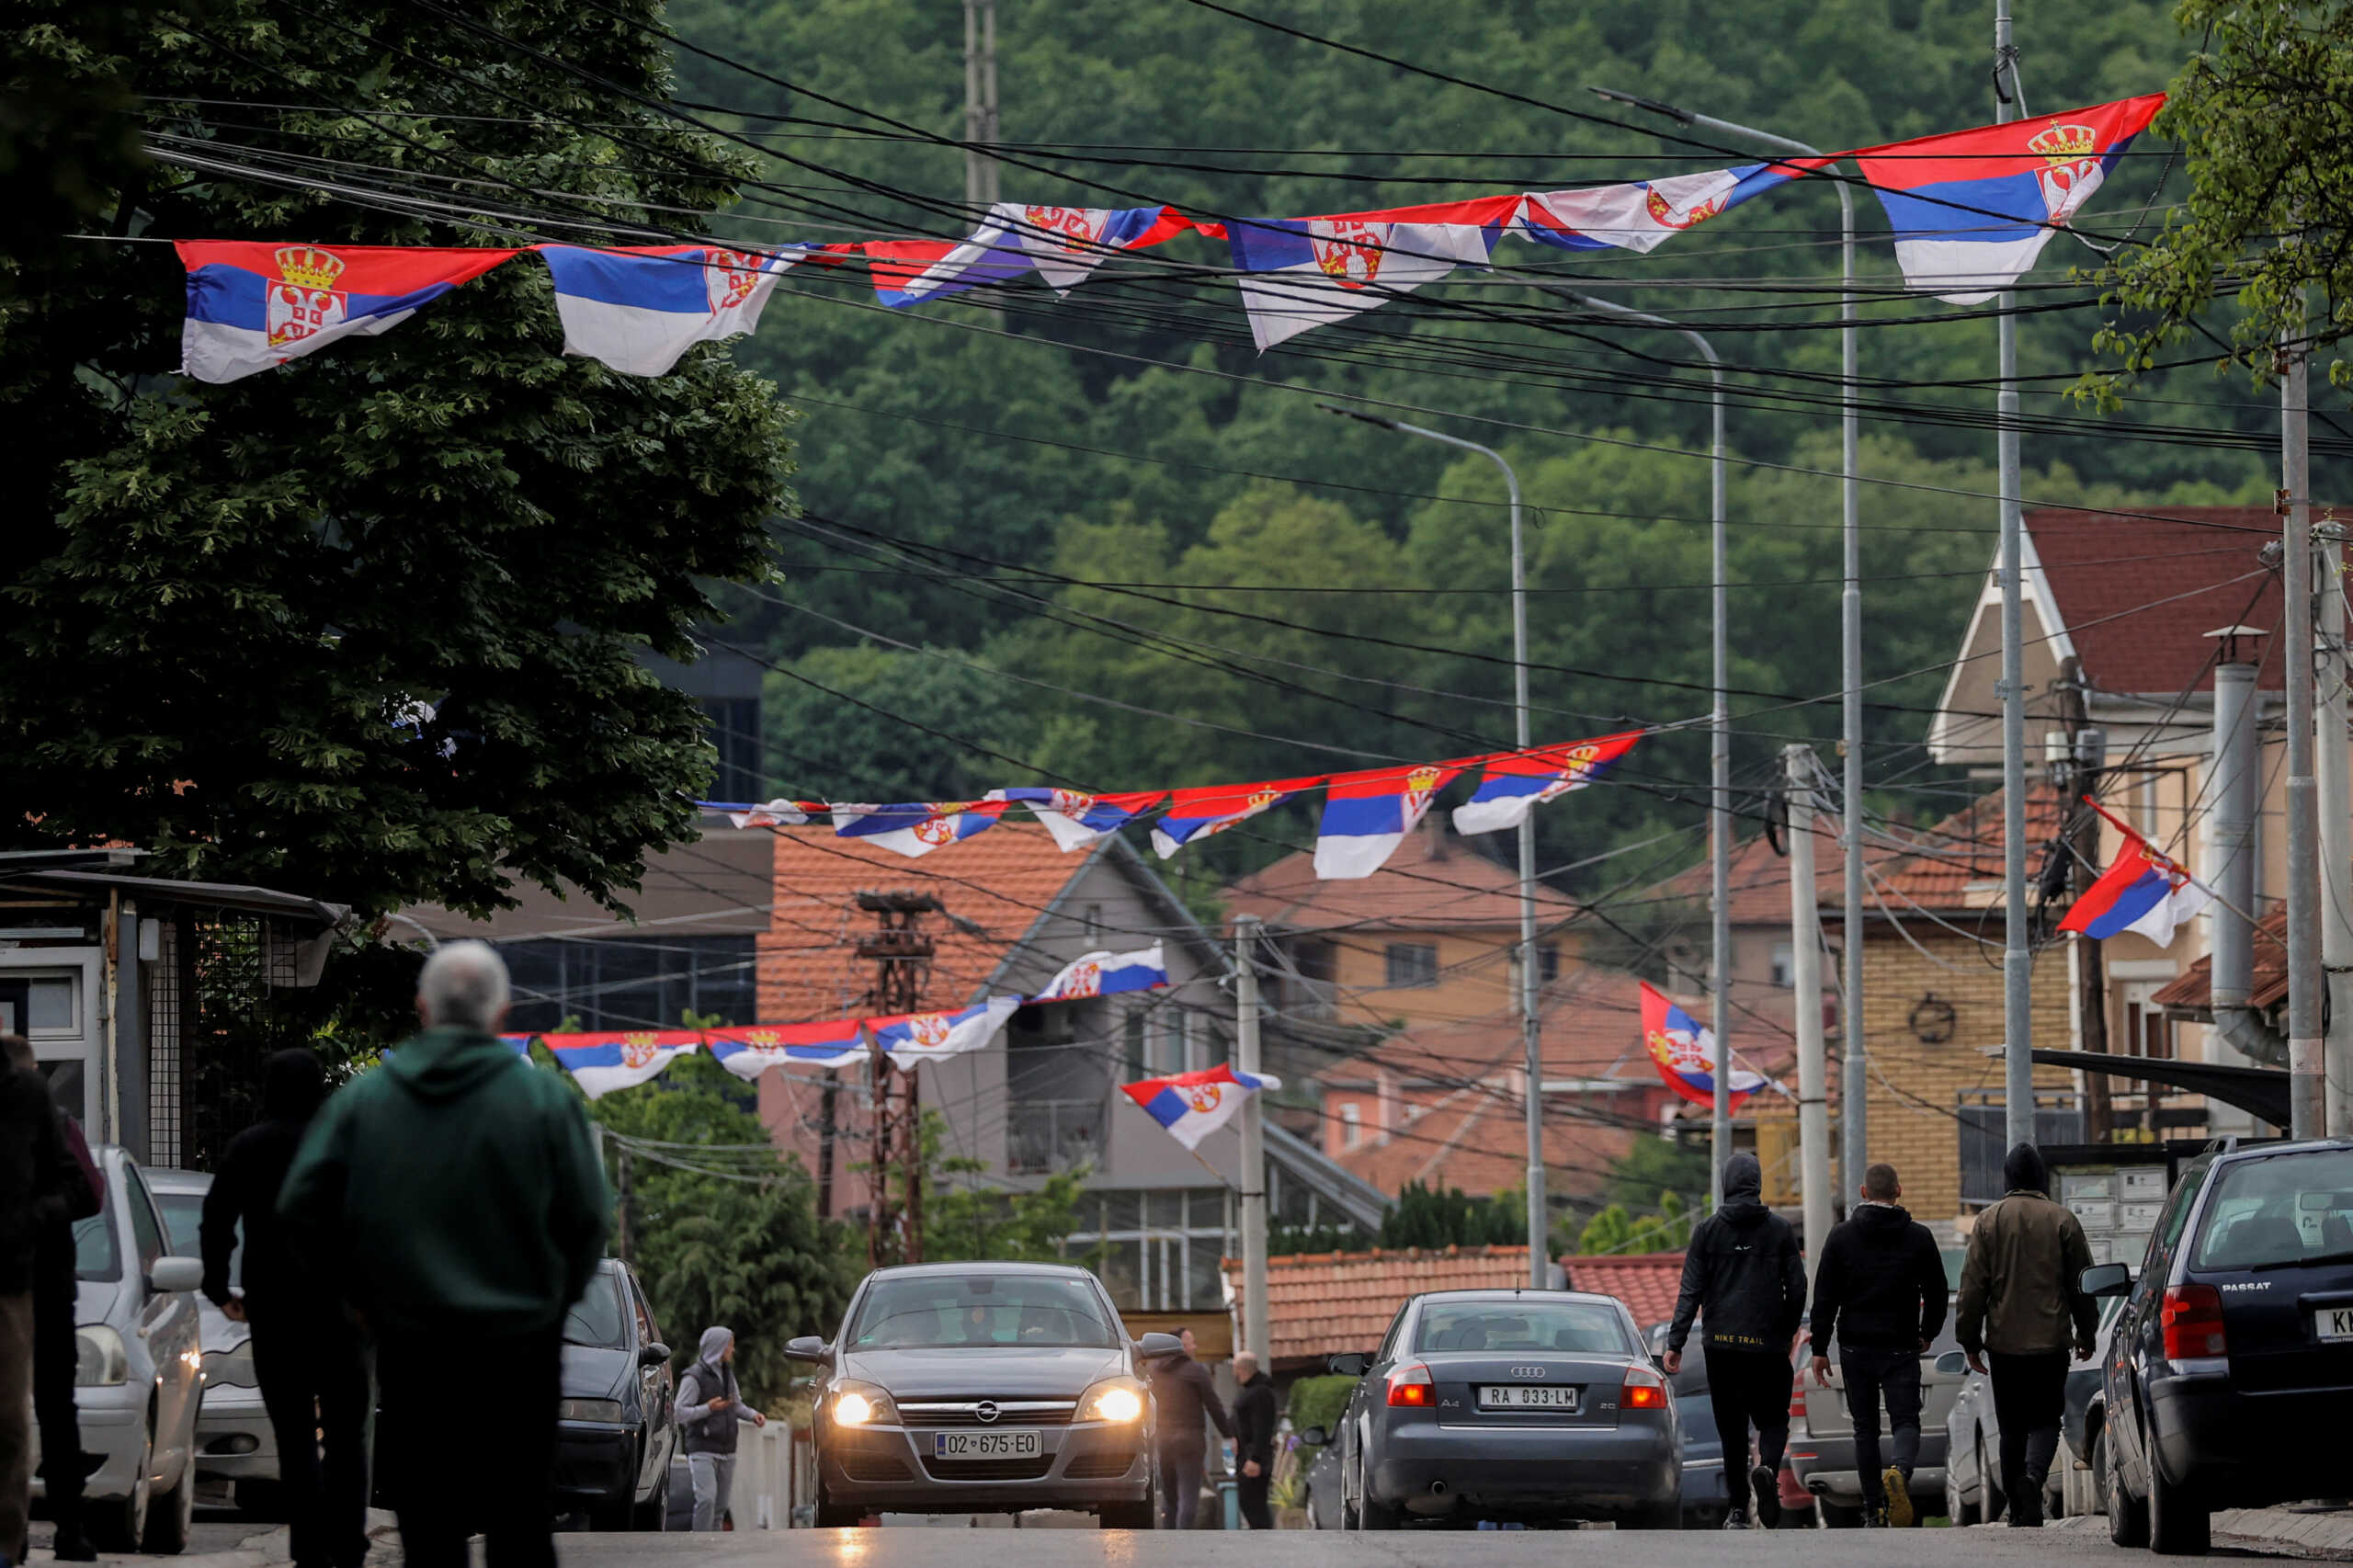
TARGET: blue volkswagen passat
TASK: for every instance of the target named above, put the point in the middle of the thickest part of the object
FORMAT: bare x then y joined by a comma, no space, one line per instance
1537,1406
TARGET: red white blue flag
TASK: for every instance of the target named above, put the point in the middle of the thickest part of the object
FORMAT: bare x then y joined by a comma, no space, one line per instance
603,1062
1061,245
909,1038
2144,892
774,813
1077,819
747,1053
1684,1051
1106,974
252,305
1515,783
1367,815
1197,813
1305,272
639,308
1191,1106
917,827
1640,215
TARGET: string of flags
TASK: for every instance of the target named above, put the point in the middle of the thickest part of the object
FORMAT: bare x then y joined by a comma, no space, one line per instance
1970,212
1366,815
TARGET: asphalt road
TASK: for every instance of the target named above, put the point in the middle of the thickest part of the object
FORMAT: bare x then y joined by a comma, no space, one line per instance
213,1533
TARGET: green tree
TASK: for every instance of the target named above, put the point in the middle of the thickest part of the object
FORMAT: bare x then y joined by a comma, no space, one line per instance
366,625
1425,1217
965,1220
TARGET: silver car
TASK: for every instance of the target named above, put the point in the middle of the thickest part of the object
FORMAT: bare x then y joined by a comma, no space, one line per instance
138,1380
234,1444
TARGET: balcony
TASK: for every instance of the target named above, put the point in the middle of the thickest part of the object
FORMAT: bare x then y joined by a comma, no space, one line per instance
1045,1136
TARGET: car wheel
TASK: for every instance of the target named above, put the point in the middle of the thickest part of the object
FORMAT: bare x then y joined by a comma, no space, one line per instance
1991,1502
2180,1524
1370,1513
1307,1498
1959,1509
2127,1517
654,1514
118,1524
171,1517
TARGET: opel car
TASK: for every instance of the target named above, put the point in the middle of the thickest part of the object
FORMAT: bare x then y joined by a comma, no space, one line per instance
236,1447
983,1387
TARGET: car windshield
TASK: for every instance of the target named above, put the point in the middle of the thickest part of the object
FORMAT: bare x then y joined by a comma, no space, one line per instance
914,1310
595,1320
183,1220
96,1255
1586,1326
2281,1210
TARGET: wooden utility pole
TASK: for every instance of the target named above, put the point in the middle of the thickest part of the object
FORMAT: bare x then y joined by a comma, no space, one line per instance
902,954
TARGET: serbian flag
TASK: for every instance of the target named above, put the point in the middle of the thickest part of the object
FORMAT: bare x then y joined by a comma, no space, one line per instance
2143,892
1972,209
1191,1106
909,1038
747,1053
1306,272
1367,815
1516,782
1685,1052
1106,974
1061,245
916,827
775,814
601,1063
1644,214
252,305
1077,819
1197,813
638,308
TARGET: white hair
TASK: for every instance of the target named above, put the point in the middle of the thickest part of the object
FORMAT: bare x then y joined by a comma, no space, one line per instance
463,986
1244,1358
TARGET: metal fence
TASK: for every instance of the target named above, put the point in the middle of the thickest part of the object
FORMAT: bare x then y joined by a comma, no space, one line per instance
776,1488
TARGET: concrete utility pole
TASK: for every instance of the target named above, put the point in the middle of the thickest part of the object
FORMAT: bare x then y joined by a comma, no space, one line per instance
901,955
2305,1086
1254,1142
2335,773
2017,962
1798,767
980,104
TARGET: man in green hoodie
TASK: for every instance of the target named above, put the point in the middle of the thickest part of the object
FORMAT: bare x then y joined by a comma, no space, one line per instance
453,1199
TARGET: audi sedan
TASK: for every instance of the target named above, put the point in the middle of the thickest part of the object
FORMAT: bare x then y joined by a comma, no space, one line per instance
969,1388
1535,1406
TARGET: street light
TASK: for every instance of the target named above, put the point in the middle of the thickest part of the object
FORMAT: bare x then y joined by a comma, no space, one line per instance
1720,736
1853,1091
1530,1023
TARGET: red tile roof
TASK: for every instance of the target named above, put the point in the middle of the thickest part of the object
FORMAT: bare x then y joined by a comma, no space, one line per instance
2266,982
1320,1304
2138,593
1646,1281
1435,881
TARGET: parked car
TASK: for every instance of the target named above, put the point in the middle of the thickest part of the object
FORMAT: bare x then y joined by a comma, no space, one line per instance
1319,1486
138,1377
1705,1497
617,1431
1510,1405
984,1387
2229,1372
236,1447
1821,1433
682,1494
1973,1432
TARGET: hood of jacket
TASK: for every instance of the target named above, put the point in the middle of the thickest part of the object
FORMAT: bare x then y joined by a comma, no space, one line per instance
292,1086
2023,1171
442,1064
715,1341
1744,1181
1888,1218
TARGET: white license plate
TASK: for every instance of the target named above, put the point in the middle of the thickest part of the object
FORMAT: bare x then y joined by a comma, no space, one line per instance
1527,1396
2333,1323
1007,1445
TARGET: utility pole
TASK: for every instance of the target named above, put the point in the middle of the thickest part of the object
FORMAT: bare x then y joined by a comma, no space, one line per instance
901,953
1799,767
1254,1145
2017,962
2089,757
979,105
2305,1087
2335,773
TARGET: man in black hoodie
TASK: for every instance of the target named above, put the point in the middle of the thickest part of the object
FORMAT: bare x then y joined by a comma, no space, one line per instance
1744,1278
1879,1289
1254,1440
306,1356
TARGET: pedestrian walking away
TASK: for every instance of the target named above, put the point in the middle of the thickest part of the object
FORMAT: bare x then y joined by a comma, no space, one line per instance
1186,1397
452,1197
307,1356
1879,1295
1743,1278
710,1412
56,1353
37,1183
1254,1440
2021,1312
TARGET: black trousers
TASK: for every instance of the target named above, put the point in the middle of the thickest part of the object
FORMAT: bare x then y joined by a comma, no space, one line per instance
314,1382
1250,1490
1872,1376
1749,1388
62,1468
2030,1398
1181,1466
451,1471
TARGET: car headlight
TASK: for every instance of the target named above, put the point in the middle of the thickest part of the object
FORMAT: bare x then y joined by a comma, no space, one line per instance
99,1360
588,1410
1116,1399
233,1368
862,1405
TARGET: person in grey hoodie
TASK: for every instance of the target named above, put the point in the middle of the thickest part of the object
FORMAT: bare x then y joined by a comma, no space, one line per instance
710,1411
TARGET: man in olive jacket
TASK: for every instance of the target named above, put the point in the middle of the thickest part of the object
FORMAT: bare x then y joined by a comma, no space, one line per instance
2020,1308
453,1199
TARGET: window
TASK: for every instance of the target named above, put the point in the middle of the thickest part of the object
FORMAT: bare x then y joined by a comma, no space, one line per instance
2281,1210
623,982
1548,964
1351,1126
2147,1031
1501,1325
1412,964
1132,1026
1091,917
911,1310
146,1230
596,1319
1785,965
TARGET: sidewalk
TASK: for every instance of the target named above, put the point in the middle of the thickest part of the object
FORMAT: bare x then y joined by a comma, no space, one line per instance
2321,1533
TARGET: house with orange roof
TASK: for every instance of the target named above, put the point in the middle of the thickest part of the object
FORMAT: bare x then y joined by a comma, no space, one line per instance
1324,1305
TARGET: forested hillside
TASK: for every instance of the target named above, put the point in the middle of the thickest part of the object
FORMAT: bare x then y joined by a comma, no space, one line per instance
1129,551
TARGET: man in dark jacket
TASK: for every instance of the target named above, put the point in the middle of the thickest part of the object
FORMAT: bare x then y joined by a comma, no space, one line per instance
37,1181
1254,1440
306,1354
1744,1278
1879,1294
709,1412
1186,1395
453,1195
2020,1309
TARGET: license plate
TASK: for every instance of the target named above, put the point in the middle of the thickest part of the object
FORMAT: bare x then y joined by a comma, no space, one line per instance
1527,1396
1007,1445
2333,1323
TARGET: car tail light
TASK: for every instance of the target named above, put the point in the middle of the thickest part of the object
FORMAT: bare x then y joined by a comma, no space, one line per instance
2192,1318
1410,1384
1644,1390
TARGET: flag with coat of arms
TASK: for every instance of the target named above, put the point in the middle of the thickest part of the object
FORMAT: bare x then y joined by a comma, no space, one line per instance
603,1062
1684,1051
1191,1106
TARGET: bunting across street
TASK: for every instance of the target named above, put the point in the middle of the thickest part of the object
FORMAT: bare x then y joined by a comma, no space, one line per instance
747,1053
910,1038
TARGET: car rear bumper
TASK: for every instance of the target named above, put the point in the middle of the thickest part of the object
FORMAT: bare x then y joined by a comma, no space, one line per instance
235,1440
114,1432
1597,1472
891,1469
1826,1467
2240,1449
595,1463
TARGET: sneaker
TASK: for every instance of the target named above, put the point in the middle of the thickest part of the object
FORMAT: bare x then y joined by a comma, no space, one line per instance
2026,1512
73,1546
1897,1487
1735,1519
1768,1497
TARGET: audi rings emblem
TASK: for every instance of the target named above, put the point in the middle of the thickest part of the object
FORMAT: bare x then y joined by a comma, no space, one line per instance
985,1411
1528,1371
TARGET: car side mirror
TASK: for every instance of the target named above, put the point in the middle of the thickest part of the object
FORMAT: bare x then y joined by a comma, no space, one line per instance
172,1275
2105,1279
1350,1364
1953,1363
1314,1437
653,1354
806,1347
1159,1346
